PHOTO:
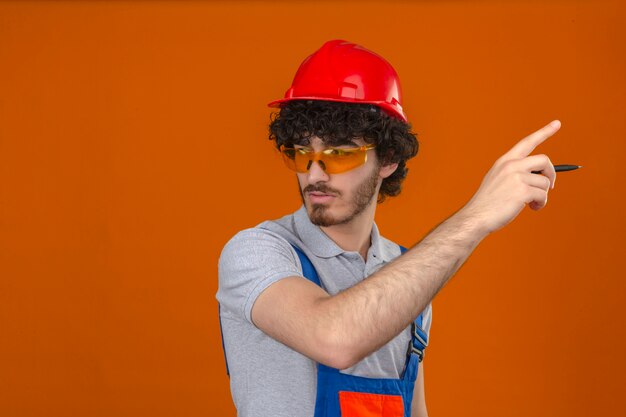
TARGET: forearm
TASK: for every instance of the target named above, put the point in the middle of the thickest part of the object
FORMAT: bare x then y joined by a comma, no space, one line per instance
366,316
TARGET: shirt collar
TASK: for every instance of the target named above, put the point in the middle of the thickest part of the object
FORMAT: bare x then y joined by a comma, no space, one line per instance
323,246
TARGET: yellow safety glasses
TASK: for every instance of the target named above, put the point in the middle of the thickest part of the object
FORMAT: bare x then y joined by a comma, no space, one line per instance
332,160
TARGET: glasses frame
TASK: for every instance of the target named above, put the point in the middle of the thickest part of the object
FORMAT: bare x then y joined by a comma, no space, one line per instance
319,156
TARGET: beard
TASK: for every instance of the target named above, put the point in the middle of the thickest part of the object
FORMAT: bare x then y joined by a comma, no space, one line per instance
320,214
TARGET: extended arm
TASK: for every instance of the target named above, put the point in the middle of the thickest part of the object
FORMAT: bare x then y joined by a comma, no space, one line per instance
341,330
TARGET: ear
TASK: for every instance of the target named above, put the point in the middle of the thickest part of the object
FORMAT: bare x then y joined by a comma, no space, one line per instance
386,170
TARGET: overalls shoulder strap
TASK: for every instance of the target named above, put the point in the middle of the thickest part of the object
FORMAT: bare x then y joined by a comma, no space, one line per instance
308,270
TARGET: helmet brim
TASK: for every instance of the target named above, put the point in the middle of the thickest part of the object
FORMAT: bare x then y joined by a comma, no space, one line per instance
386,107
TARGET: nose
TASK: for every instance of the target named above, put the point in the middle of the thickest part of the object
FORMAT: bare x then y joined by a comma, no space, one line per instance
316,172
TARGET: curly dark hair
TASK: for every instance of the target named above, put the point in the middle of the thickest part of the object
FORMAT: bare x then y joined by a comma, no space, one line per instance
337,123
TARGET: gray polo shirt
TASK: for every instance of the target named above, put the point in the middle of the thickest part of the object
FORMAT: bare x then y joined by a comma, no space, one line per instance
268,378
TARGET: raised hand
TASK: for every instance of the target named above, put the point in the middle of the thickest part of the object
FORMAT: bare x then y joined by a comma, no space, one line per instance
510,184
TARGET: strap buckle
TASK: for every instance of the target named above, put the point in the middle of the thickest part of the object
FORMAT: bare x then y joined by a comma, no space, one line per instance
417,337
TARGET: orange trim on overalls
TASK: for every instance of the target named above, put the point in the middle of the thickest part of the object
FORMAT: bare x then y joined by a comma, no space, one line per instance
363,404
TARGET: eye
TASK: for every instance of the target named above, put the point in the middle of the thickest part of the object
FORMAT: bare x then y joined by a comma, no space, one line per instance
288,152
303,151
338,151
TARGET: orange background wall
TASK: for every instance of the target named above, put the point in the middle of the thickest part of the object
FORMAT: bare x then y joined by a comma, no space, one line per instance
133,146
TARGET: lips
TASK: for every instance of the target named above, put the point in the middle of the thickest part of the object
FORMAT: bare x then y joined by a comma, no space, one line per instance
317,197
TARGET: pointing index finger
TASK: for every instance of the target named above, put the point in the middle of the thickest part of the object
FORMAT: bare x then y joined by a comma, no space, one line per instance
524,147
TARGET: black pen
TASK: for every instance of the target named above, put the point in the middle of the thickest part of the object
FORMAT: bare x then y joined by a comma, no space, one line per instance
559,168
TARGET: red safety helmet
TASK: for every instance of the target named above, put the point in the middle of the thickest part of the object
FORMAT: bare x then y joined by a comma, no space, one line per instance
347,72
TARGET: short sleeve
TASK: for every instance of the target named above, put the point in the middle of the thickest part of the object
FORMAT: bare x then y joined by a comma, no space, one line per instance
249,263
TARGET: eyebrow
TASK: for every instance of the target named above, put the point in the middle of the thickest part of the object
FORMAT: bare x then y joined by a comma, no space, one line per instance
307,142
350,144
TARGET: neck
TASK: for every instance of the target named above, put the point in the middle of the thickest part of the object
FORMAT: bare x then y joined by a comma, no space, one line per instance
354,236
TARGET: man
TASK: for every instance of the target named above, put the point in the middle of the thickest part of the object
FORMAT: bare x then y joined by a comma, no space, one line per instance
321,316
